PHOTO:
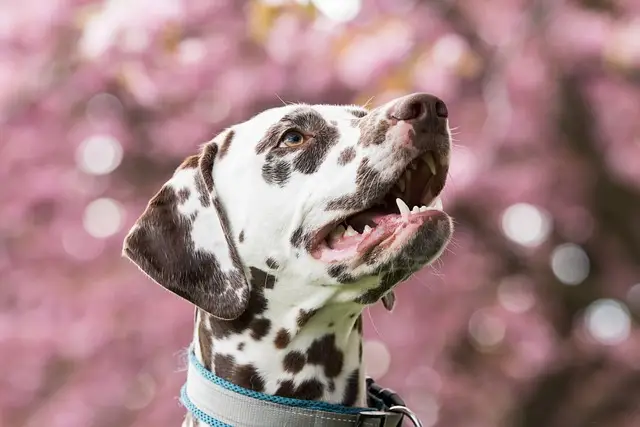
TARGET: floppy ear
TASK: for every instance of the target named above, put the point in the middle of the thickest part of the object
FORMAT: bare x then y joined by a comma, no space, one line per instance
183,242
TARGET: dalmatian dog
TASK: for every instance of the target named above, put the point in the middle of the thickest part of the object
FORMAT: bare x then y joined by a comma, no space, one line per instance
284,227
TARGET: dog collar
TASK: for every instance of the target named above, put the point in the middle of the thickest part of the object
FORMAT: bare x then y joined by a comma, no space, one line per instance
219,403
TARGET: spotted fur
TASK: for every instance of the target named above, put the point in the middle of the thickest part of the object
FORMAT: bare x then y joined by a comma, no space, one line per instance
233,229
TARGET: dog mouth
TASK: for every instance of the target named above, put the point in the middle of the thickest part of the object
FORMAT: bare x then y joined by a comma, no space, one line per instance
411,201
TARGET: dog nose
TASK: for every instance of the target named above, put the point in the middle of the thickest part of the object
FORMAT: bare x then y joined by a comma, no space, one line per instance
419,107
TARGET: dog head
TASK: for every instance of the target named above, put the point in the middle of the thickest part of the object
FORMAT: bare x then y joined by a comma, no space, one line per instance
329,196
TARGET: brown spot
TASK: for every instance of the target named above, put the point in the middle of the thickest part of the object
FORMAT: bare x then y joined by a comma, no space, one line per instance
247,376
226,143
206,164
190,162
352,390
205,340
242,375
272,263
282,339
294,362
358,112
296,237
346,156
224,366
373,130
241,236
241,346
304,316
369,187
307,390
324,352
204,193
276,171
262,279
260,328
183,195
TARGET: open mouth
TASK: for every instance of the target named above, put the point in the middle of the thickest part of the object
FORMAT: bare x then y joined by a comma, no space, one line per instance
411,201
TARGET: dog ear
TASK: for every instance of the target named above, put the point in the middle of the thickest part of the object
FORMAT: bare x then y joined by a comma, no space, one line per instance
389,300
183,241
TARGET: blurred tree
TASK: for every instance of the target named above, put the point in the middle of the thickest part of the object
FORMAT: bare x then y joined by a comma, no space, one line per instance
532,315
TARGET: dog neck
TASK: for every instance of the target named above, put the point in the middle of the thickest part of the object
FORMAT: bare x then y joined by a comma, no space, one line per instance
289,342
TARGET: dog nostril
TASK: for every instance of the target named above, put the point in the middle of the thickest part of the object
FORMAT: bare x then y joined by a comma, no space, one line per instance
441,110
411,111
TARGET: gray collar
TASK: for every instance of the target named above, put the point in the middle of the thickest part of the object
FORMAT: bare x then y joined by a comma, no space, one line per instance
219,403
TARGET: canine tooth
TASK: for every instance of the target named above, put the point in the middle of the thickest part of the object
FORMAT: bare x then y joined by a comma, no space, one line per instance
437,203
367,229
428,158
423,208
404,209
415,209
350,232
413,165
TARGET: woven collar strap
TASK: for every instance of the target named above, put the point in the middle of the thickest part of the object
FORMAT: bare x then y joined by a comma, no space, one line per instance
220,403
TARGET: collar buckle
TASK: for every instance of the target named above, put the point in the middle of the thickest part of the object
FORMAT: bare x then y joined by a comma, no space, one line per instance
365,416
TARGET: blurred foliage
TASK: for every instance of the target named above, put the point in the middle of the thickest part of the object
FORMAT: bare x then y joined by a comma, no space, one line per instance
531,318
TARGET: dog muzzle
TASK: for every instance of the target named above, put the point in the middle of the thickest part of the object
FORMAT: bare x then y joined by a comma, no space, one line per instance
219,403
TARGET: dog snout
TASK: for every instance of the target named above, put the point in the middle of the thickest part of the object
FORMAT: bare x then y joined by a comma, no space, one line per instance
419,108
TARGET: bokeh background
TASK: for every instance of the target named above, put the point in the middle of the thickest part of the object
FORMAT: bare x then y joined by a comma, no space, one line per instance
530,319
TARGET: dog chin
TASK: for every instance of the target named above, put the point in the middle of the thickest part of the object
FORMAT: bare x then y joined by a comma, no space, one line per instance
395,264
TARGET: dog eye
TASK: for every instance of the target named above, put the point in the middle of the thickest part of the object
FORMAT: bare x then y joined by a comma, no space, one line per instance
293,138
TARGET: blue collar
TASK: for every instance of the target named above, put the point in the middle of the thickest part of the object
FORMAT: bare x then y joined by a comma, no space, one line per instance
219,403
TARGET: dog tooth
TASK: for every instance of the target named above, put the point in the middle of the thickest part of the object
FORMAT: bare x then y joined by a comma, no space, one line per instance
415,209
402,206
367,229
428,158
350,232
423,208
436,203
